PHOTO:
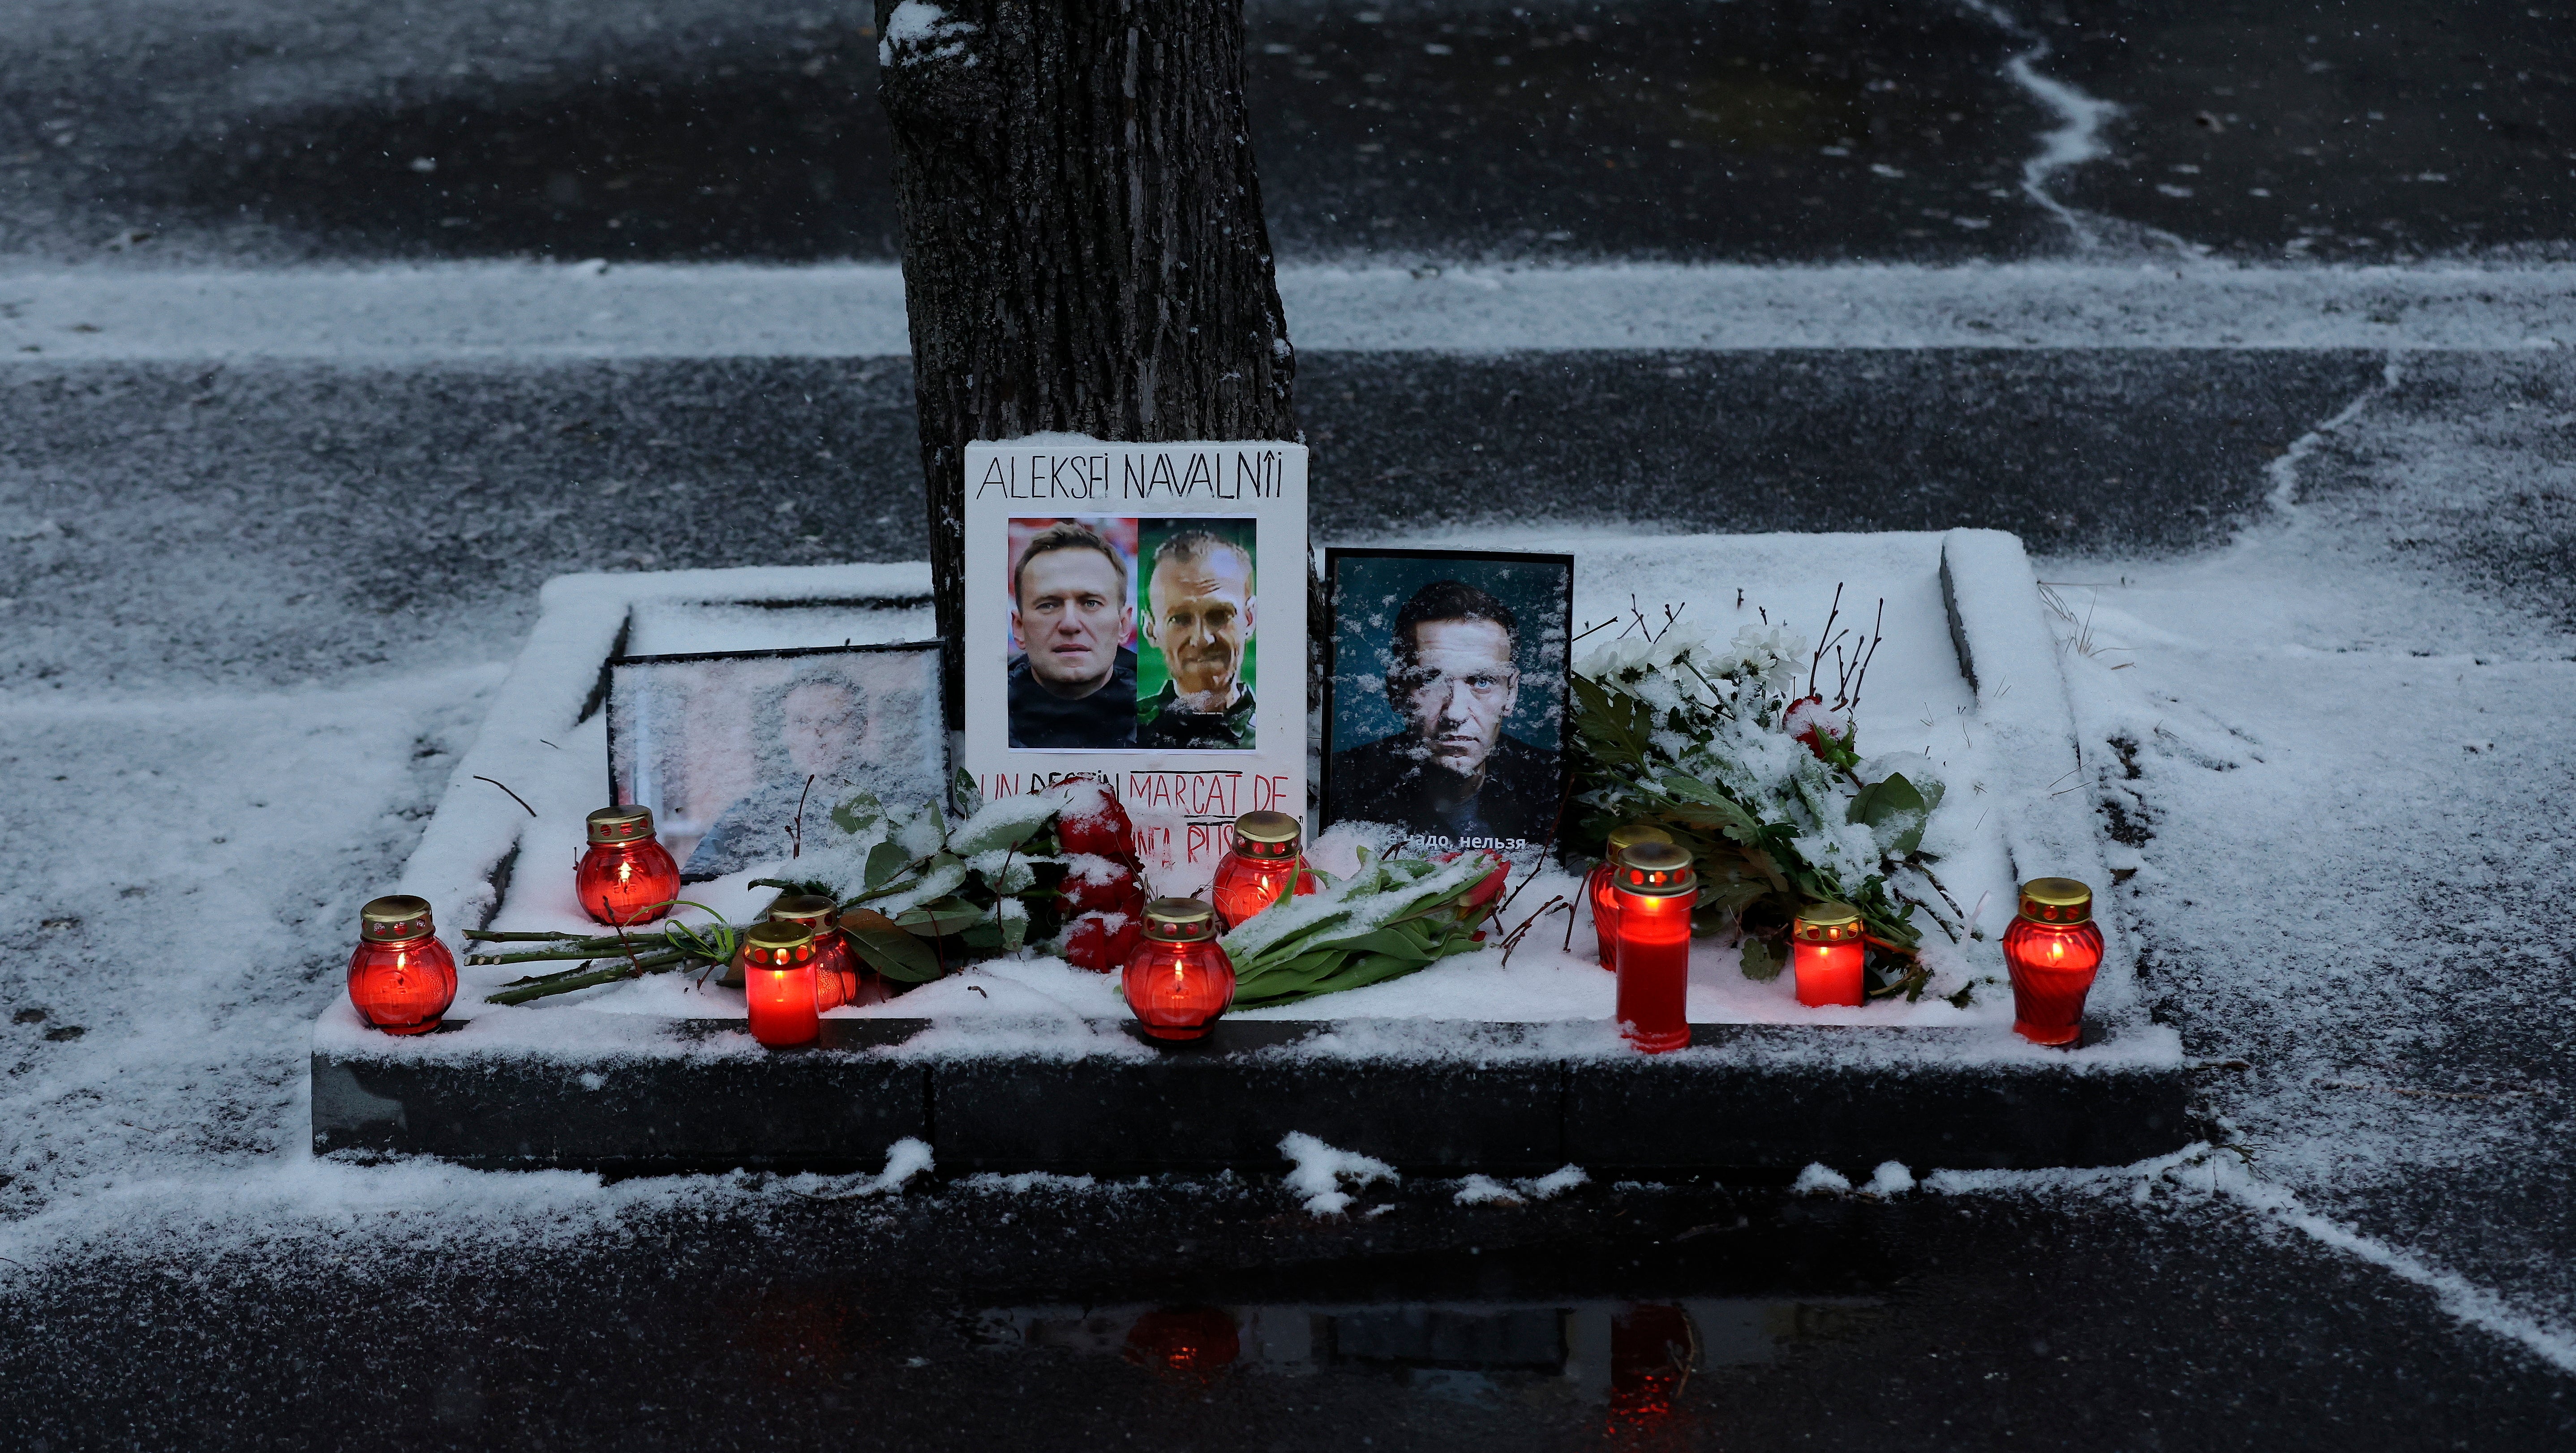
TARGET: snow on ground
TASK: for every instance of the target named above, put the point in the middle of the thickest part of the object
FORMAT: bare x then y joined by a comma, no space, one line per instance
2337,750
2337,761
527,311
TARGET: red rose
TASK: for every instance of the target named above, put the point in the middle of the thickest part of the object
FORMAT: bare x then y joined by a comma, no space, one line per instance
1095,884
1094,823
1103,942
1809,722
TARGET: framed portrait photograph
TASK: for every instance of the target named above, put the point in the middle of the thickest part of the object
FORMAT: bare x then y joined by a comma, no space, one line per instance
736,752
1133,632
1119,627
1446,693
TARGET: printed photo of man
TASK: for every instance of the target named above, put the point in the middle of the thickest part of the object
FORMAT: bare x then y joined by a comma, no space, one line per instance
1200,603
1451,771
1073,678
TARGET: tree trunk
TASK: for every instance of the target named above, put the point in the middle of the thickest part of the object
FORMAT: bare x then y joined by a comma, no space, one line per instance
1083,245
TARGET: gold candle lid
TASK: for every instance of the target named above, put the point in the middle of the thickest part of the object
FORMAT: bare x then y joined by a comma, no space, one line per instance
2056,900
1179,920
1657,870
778,945
621,824
808,909
1628,834
395,919
1828,923
1267,828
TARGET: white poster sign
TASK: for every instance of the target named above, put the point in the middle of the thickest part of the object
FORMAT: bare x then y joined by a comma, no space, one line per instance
1117,627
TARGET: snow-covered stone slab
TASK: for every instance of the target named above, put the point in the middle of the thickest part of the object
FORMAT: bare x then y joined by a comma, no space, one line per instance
1482,1059
1090,1097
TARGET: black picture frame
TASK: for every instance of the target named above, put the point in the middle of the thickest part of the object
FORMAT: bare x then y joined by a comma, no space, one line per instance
1559,670
936,768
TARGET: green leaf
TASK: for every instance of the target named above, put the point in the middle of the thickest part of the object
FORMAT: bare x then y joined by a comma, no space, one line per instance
887,948
1759,961
1732,896
1895,803
1395,942
969,797
999,835
1885,801
884,861
856,814
940,917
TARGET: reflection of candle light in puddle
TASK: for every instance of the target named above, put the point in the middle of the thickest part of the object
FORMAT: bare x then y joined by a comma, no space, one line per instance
1652,1351
790,1336
1186,1341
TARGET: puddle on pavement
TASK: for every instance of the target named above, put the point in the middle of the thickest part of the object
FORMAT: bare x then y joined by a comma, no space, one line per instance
1628,1359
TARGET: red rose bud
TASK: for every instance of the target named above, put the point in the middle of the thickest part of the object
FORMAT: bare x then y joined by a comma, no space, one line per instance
1086,943
1094,823
1098,884
1102,942
1811,724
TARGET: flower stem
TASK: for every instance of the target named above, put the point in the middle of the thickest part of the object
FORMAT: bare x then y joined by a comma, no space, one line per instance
525,990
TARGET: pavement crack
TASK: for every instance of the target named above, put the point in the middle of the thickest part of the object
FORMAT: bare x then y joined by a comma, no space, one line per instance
2283,471
2077,138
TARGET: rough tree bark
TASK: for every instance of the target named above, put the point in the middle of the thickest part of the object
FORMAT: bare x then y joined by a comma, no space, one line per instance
1083,242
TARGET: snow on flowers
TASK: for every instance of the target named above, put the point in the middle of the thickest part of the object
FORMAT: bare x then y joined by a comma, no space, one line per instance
1761,781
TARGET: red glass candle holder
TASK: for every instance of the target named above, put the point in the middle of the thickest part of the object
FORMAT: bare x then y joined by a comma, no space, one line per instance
778,984
840,975
1266,859
401,978
626,876
1825,952
1178,981
2054,950
1655,891
1596,888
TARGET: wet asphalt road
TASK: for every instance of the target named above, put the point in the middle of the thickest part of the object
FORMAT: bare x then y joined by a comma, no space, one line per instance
1782,130
974,1318
419,508
264,525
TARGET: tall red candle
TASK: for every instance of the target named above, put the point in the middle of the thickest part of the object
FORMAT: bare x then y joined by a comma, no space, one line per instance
1267,857
625,876
1654,892
2053,950
778,984
401,978
1597,887
1178,980
1826,953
